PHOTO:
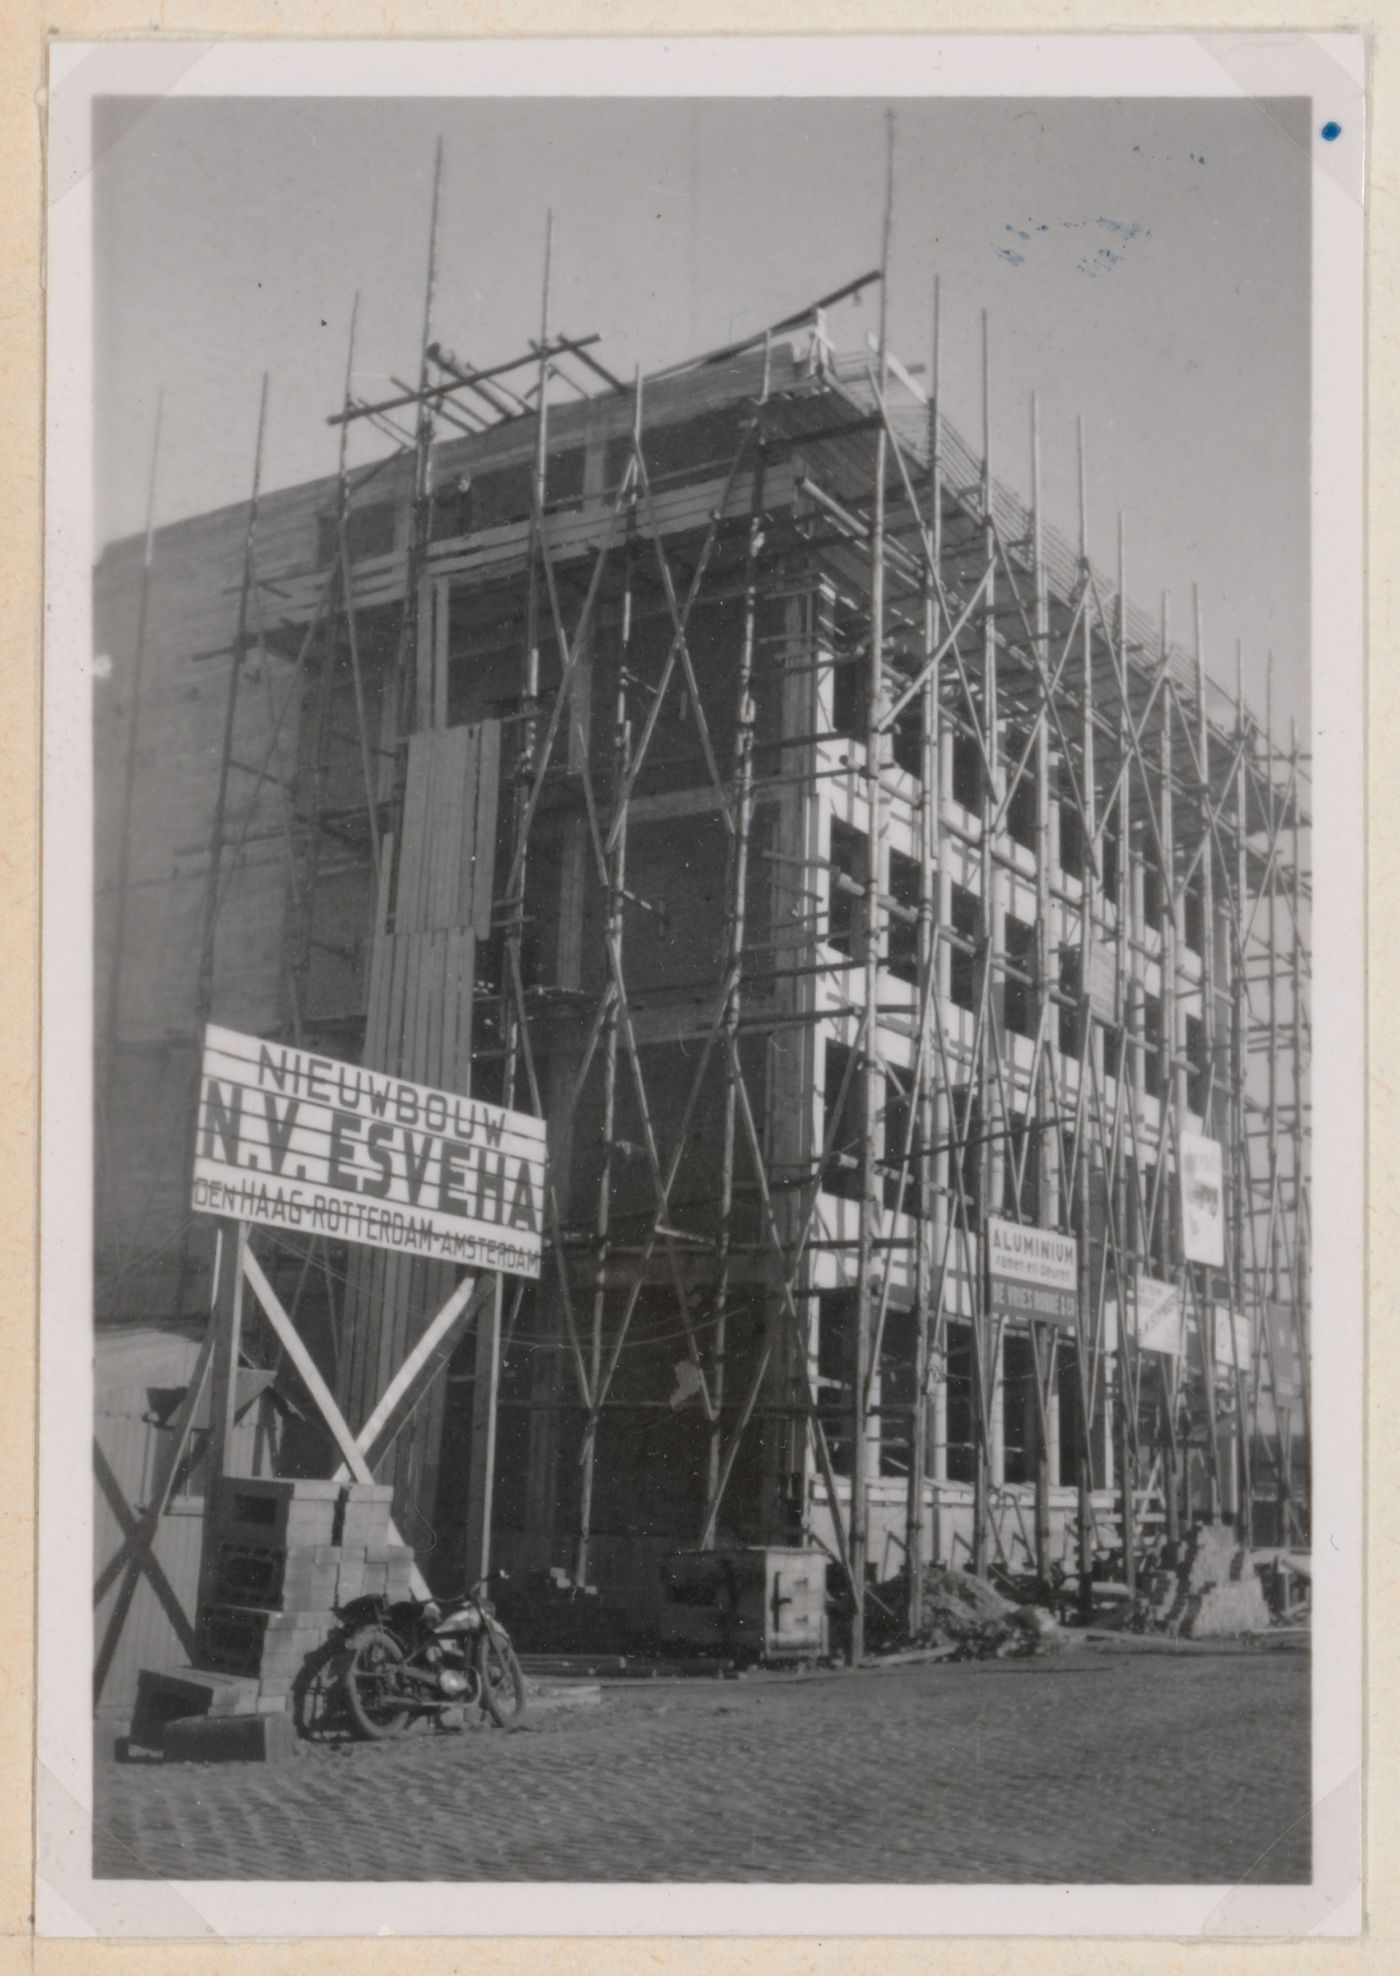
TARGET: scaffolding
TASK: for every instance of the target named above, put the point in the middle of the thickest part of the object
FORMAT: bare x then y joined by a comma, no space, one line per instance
867,865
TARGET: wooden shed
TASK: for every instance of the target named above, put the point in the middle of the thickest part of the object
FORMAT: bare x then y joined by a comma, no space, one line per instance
145,1596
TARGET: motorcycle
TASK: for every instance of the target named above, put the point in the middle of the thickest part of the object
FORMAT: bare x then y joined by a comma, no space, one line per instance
416,1657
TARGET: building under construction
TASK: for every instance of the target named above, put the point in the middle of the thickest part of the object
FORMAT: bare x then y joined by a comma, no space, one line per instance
726,767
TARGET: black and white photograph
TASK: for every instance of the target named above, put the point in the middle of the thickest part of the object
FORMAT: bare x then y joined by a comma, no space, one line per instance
702,988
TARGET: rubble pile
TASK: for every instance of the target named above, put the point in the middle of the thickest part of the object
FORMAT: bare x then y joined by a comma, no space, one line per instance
970,1618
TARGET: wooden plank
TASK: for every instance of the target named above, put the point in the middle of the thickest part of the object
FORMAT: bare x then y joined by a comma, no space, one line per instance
228,1320
352,1344
446,1015
451,968
440,824
423,655
377,1366
446,1025
386,1351
426,1428
408,917
377,1025
415,793
464,826
407,988
416,1007
422,1011
485,1392
459,992
380,959
429,847
431,1041
373,1264
440,630
434,969
445,827
488,801
393,1032
471,827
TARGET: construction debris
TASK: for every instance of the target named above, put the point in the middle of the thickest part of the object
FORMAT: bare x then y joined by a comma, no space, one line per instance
962,1617
1214,1592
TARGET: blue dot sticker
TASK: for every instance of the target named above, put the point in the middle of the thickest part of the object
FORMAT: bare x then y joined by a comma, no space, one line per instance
1331,132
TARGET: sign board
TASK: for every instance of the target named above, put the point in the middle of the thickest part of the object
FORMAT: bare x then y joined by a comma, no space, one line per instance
303,1142
1223,1354
1159,1312
1202,1178
1103,980
1032,1273
1278,1319
1241,1355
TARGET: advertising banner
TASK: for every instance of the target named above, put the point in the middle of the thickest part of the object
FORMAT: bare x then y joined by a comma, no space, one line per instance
1202,1176
1032,1273
302,1142
1159,1314
1103,980
1282,1353
1239,1354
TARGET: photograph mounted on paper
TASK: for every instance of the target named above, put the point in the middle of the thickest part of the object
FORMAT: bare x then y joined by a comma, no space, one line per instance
703,956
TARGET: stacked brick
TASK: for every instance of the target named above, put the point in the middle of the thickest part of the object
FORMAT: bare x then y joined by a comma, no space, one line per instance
286,1556
1215,1590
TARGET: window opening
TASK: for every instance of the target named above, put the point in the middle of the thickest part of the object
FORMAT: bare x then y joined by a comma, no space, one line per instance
967,771
1020,996
843,1136
902,950
846,882
966,938
1018,1421
961,1390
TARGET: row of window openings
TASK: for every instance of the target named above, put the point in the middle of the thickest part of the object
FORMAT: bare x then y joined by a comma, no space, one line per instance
849,866
895,1415
846,933
969,790
1012,1155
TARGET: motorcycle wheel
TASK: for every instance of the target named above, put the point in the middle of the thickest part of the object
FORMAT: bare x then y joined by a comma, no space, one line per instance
370,1678
502,1680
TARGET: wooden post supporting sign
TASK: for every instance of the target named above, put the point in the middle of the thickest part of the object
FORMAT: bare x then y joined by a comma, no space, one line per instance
290,1139
485,1393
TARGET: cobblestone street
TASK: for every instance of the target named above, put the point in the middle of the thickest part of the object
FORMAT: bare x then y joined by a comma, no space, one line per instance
1083,1766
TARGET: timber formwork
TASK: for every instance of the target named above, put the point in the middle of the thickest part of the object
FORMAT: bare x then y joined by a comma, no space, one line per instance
864,865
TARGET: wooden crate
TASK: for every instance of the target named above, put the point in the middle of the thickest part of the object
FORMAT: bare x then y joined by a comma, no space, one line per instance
760,1604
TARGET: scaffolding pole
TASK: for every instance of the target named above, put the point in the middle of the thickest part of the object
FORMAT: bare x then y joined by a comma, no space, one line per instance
117,953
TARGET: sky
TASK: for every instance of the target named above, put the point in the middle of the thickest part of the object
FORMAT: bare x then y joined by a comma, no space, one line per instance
1144,263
